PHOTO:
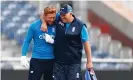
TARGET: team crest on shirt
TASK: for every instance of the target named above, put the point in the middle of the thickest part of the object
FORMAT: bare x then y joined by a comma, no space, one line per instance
53,30
73,29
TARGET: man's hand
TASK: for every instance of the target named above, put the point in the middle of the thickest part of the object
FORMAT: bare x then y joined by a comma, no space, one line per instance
49,38
89,65
24,62
44,27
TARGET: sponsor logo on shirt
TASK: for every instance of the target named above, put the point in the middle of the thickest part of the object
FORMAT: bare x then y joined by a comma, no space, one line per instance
62,24
42,36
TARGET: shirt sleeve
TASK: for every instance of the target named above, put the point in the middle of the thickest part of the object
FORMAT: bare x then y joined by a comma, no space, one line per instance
27,41
84,34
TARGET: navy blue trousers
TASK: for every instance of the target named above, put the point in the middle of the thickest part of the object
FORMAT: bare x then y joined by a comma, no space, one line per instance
67,71
39,68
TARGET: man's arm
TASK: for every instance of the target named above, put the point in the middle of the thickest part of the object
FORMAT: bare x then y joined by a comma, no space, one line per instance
27,41
87,48
88,54
44,25
25,47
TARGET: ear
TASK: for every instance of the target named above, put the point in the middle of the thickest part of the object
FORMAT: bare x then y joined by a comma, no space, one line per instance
71,13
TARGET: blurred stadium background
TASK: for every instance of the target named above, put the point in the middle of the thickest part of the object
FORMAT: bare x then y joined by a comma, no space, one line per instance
110,26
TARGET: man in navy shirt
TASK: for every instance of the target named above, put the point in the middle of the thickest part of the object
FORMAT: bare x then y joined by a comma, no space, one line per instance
71,36
42,59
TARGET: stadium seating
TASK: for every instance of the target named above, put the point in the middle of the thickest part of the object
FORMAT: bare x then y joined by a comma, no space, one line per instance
114,47
94,32
125,53
16,18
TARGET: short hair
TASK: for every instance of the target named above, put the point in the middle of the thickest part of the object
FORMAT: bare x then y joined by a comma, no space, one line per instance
49,10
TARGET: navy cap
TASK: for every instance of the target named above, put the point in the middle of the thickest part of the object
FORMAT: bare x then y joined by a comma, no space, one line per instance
65,9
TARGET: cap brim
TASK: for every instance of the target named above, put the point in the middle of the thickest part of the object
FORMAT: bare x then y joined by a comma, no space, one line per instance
61,12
